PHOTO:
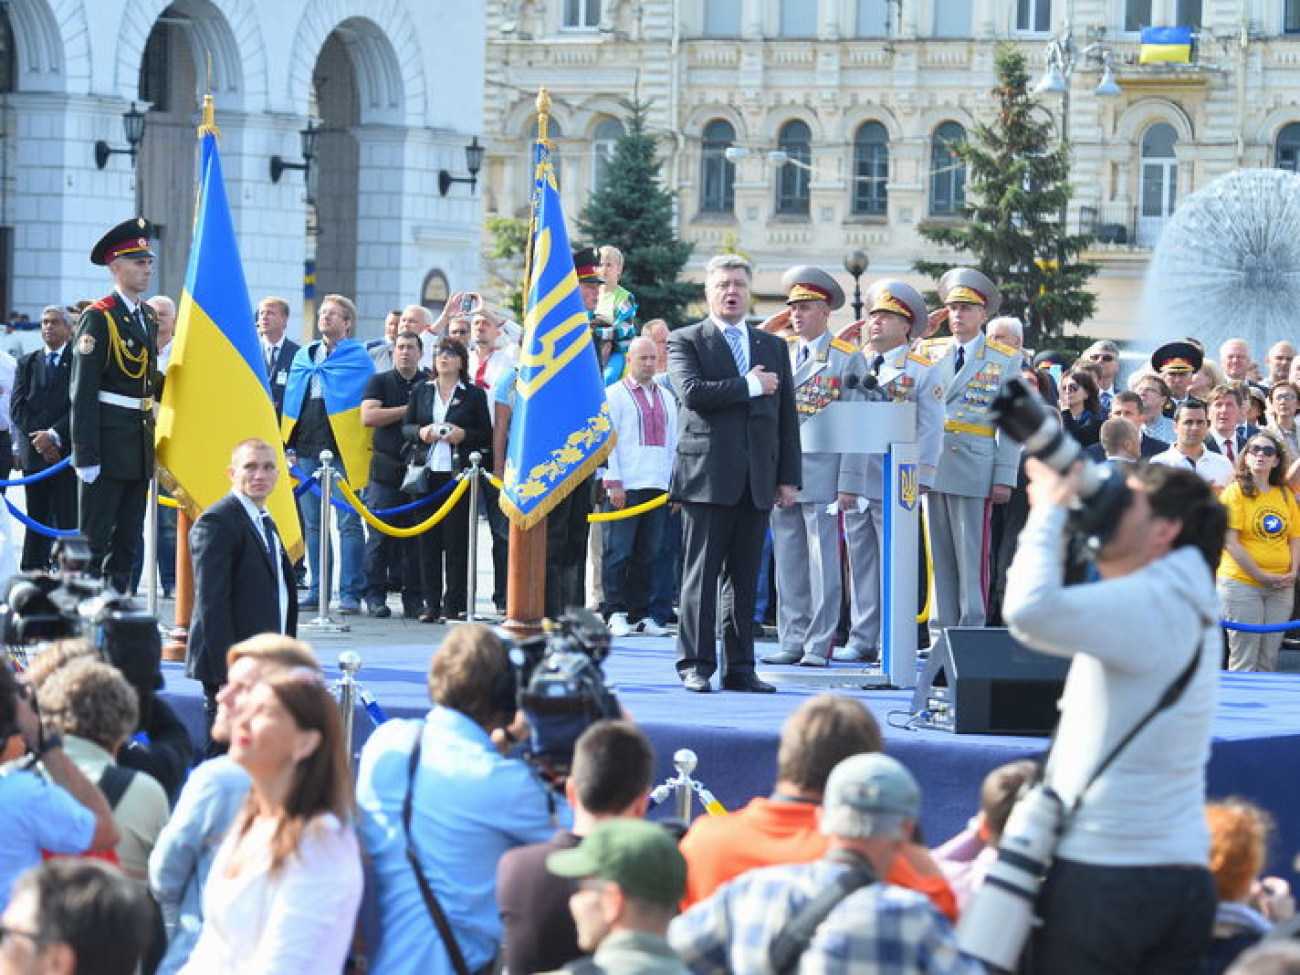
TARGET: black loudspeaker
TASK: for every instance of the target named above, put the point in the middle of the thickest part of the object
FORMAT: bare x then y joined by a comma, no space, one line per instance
983,682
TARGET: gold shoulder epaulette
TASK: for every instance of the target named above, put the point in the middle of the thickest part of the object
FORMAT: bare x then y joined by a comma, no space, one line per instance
999,347
917,357
103,304
843,346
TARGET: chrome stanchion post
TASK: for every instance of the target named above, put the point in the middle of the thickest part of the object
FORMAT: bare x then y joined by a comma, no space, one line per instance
349,664
151,549
684,761
471,581
323,620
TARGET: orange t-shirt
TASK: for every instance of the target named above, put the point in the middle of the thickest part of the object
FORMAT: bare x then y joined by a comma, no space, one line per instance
772,831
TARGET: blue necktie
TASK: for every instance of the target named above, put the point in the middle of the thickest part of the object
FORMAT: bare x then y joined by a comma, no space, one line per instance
51,364
961,359
736,340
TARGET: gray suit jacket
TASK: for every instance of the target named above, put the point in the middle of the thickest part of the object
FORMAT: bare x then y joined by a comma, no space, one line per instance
731,442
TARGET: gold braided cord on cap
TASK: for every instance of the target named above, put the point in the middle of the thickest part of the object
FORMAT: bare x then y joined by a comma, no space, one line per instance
123,355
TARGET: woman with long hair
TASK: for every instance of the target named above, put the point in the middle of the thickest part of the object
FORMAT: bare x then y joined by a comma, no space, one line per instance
1081,406
1261,552
284,888
446,421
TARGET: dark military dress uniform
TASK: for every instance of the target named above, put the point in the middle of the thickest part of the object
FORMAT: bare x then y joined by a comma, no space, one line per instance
115,380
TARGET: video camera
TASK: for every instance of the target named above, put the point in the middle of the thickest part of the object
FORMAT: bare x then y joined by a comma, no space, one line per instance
40,607
561,688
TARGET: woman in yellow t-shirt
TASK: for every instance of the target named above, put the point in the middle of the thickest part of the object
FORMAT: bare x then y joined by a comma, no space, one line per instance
1261,552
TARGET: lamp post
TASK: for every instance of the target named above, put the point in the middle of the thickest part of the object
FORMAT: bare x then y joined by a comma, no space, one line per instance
856,263
308,137
1063,56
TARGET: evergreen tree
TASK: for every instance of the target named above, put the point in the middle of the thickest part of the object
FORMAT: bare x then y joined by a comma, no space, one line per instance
1017,189
634,212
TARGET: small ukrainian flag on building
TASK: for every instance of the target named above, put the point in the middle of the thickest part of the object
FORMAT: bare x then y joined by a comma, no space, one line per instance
1166,45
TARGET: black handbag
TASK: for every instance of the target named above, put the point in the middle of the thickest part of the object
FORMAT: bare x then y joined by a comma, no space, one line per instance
416,479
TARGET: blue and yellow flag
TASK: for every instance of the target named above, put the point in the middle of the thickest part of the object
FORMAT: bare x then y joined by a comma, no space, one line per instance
1170,45
216,393
560,430
343,377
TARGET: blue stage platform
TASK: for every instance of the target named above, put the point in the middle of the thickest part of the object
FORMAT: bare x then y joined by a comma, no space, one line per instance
1256,736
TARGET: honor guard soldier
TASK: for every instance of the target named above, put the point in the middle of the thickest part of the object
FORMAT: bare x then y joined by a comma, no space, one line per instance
1177,363
114,381
805,536
977,464
895,315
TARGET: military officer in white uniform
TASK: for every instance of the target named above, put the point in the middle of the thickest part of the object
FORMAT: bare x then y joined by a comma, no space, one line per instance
805,535
977,464
895,314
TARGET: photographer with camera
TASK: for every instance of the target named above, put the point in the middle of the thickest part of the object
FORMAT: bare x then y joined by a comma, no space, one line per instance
440,803
1129,890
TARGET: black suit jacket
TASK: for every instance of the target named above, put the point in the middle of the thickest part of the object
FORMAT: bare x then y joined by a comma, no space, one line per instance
468,408
279,375
38,404
235,591
729,441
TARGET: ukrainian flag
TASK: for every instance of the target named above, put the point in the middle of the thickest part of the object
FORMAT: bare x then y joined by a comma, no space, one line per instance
560,429
1169,45
216,392
343,375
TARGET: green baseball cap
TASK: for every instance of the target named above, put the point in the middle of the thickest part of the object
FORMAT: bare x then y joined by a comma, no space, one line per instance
639,856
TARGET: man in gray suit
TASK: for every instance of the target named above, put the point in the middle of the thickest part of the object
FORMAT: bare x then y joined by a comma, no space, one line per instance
977,464
805,536
737,455
895,313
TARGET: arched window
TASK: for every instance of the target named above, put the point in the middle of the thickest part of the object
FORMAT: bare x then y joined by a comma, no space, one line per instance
606,137
1288,148
947,171
717,172
871,169
792,191
1159,189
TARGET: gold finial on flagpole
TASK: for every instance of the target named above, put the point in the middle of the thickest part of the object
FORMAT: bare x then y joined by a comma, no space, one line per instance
208,126
543,112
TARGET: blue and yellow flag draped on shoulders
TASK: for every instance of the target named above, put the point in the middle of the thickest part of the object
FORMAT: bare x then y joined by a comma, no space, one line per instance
560,429
216,393
343,377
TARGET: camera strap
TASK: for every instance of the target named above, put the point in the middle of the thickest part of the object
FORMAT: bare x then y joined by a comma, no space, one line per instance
793,939
426,891
1167,700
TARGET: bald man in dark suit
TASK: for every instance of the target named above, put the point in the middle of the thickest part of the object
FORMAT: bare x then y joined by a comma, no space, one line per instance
737,455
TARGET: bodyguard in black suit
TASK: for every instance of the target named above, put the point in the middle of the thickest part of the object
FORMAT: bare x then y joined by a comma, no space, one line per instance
277,351
737,454
115,380
243,579
40,408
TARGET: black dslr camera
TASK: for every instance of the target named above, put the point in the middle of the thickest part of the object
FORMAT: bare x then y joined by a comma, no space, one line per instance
561,688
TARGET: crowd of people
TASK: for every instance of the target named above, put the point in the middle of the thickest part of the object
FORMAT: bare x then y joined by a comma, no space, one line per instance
448,850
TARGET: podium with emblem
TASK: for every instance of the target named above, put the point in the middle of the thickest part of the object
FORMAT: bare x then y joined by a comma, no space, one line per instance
888,429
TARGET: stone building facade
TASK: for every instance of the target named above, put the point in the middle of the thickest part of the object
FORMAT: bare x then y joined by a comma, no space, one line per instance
858,98
394,91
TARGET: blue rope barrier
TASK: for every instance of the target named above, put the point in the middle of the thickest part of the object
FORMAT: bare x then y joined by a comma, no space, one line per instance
373,710
36,526
1260,627
38,476
309,483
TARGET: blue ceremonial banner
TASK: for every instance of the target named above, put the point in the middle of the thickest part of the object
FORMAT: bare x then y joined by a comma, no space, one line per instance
560,430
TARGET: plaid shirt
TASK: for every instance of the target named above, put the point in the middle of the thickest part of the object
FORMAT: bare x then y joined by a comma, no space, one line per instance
877,930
